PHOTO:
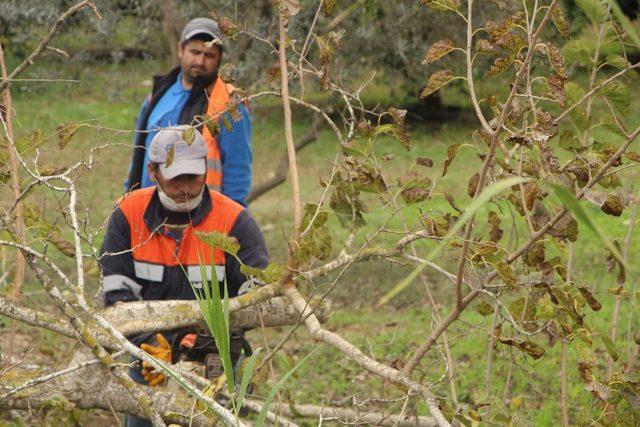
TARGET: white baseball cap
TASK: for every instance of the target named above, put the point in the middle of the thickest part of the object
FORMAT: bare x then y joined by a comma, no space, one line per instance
179,150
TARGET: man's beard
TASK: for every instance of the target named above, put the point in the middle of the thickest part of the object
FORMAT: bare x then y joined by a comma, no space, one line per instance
204,80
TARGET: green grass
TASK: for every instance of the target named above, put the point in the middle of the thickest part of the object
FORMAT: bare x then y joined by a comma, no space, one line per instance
110,97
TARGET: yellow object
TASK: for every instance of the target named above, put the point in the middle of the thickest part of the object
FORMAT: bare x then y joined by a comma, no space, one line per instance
162,352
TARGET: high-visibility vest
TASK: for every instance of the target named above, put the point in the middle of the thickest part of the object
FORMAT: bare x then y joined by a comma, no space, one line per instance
153,249
218,103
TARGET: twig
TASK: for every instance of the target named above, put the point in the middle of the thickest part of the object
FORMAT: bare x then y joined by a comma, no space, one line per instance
288,132
625,257
355,354
45,41
19,272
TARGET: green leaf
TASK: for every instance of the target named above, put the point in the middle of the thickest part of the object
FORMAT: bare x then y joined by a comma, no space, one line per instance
624,21
595,10
188,135
580,213
246,376
610,346
477,203
220,241
276,387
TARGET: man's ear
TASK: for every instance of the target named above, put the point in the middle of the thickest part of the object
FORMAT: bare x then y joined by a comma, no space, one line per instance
152,172
180,50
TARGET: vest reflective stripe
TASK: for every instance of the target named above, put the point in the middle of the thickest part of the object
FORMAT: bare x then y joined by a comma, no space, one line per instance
218,102
116,282
148,271
214,164
151,250
194,272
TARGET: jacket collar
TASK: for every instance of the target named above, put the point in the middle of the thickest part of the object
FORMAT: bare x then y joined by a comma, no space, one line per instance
155,217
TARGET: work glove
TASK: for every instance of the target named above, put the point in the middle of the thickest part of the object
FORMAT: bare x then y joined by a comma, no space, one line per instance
161,351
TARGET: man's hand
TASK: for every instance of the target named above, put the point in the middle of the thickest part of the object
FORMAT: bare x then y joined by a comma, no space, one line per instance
162,351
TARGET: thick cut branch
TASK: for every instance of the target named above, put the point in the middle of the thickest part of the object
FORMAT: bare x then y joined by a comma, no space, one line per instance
93,387
152,316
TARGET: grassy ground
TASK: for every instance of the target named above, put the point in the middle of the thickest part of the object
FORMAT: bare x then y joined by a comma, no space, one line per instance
109,96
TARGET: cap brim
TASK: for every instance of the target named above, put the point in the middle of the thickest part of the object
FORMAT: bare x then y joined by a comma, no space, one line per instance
215,37
184,167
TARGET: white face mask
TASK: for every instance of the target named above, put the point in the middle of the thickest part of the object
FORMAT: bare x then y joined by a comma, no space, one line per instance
174,206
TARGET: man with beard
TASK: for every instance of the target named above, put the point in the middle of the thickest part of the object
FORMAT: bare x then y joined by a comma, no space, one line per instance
152,251
194,89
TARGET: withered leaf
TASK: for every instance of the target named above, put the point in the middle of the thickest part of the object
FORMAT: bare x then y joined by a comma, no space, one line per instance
555,83
436,81
497,29
529,347
556,60
559,20
388,157
438,50
495,234
598,389
227,26
484,309
415,187
213,126
472,186
634,157
506,274
65,133
227,73
327,7
535,255
499,66
424,161
437,225
451,201
289,8
485,46
170,154
348,208
590,299
511,41
531,191
452,151
612,205
61,244
316,243
400,127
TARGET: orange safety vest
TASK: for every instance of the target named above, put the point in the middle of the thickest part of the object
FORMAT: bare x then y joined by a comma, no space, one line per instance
218,103
152,249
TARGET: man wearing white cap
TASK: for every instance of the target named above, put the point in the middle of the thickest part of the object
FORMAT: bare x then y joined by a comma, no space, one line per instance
151,250
190,90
